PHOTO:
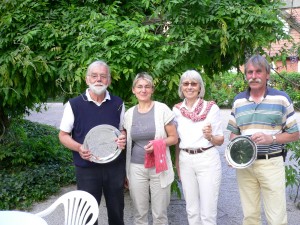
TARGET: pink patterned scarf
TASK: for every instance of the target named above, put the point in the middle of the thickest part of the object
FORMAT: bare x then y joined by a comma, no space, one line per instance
194,116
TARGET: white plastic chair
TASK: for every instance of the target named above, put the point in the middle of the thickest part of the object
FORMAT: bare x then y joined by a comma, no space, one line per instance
78,207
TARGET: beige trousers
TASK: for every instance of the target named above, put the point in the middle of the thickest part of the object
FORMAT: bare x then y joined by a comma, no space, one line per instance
264,179
144,186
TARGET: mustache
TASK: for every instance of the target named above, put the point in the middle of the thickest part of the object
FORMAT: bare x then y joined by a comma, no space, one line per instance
98,90
254,80
97,83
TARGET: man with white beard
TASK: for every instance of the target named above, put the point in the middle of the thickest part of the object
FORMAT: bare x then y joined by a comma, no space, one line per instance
95,107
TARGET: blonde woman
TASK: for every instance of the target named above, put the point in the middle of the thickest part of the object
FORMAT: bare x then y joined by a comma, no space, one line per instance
150,132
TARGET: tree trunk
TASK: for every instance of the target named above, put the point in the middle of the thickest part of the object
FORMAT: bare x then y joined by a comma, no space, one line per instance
4,123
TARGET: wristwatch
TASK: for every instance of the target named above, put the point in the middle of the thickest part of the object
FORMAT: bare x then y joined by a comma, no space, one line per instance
274,139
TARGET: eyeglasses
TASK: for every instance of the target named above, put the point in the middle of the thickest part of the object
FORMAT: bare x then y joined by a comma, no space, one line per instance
140,87
186,84
100,76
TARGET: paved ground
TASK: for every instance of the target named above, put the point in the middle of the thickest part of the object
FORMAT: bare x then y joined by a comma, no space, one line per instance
229,207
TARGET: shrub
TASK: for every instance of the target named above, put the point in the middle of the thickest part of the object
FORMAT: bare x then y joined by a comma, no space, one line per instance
288,82
293,168
225,87
33,164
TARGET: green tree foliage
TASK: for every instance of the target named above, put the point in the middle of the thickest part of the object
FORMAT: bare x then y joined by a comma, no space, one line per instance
219,34
290,83
46,45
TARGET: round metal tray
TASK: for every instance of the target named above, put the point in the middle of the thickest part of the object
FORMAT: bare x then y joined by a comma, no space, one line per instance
241,152
100,140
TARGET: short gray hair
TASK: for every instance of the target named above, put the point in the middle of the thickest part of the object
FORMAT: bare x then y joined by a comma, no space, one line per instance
192,75
258,61
98,63
144,76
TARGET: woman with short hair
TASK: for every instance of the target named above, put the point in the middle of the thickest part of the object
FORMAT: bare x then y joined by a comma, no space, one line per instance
150,132
198,162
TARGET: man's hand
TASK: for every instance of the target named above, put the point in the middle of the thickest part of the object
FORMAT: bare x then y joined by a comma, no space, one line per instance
262,139
84,153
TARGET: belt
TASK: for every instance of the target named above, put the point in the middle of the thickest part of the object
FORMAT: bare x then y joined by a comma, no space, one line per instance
197,150
269,156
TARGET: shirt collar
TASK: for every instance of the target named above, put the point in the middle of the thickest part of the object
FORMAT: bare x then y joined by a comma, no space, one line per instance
89,98
183,105
249,97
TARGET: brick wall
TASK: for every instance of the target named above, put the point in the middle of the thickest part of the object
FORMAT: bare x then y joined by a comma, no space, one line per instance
293,61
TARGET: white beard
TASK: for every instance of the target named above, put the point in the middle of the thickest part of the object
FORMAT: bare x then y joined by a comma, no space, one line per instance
98,90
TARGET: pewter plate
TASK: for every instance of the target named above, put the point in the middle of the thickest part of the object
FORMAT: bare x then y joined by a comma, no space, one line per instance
101,141
241,152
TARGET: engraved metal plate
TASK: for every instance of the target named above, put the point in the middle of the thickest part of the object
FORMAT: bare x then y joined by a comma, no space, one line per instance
100,140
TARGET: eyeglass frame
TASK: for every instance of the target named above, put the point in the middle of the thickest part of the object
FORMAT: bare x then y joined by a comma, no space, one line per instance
101,76
141,87
193,84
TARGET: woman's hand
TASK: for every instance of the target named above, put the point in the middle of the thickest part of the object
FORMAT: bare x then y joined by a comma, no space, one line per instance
126,183
207,131
149,147
121,141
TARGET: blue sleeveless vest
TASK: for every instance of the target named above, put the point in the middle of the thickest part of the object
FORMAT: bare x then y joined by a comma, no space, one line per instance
88,115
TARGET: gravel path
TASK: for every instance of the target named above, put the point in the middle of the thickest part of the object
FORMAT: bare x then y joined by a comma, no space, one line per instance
229,207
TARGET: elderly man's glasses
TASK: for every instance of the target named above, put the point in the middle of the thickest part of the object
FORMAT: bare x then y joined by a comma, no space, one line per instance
99,76
186,84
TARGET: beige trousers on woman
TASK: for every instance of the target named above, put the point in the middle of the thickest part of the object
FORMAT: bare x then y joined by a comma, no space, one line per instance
145,190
